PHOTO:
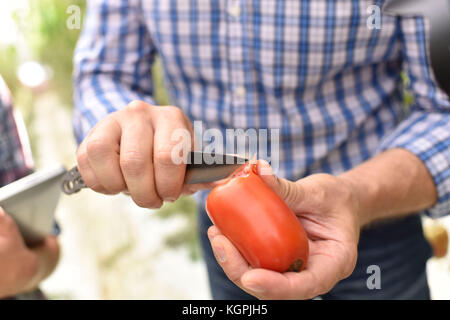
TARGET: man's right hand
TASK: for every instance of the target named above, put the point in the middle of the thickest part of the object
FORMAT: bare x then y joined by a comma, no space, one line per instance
130,151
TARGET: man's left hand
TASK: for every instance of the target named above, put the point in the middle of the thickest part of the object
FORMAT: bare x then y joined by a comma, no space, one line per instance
327,207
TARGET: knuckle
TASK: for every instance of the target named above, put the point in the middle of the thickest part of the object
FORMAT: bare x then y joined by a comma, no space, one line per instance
138,106
82,159
175,112
89,179
233,275
176,116
133,163
115,188
96,148
163,156
96,187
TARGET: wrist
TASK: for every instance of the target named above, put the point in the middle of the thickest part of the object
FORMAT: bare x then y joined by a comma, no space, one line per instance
359,191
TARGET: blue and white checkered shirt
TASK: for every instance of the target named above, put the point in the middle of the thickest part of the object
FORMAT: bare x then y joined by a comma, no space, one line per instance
313,69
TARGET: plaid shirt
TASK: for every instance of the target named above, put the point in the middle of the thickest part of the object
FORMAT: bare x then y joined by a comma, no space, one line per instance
13,162
313,69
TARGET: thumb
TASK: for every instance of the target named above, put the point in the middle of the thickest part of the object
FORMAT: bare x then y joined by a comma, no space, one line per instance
291,193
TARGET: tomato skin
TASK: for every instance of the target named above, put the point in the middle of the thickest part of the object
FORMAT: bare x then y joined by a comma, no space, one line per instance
258,223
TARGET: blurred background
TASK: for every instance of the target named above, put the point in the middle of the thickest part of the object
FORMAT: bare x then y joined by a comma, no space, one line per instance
111,249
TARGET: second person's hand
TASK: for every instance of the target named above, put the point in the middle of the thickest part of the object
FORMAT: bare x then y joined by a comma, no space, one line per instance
131,151
23,268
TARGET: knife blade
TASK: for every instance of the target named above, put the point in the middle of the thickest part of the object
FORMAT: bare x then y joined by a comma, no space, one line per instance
200,168
209,167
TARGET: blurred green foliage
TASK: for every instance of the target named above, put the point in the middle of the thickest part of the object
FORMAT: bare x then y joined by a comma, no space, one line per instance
408,97
160,95
52,43
50,40
9,62
23,96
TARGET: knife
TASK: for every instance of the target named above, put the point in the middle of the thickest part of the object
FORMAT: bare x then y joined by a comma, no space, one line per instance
200,168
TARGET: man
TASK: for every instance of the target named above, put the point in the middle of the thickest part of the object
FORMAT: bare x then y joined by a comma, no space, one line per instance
363,166
21,268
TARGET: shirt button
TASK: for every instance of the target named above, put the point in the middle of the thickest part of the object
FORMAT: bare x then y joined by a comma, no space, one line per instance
240,92
235,10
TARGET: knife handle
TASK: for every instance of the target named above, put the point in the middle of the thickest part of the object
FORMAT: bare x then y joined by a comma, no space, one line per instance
72,182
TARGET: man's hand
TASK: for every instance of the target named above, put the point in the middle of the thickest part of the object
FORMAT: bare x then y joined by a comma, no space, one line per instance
328,210
22,269
131,151
332,210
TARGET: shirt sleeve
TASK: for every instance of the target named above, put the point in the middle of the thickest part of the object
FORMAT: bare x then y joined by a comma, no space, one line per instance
426,131
15,160
112,62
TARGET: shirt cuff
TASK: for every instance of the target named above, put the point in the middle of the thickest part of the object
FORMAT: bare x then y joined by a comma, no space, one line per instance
427,135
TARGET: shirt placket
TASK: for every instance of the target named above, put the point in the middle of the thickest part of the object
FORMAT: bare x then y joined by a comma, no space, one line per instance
236,69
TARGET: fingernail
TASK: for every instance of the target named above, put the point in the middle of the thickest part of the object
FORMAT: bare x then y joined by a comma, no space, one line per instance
254,287
220,254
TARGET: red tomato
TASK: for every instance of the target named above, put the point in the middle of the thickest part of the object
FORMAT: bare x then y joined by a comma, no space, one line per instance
258,222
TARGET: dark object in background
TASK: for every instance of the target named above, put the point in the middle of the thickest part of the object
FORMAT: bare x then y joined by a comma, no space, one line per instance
437,236
438,13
